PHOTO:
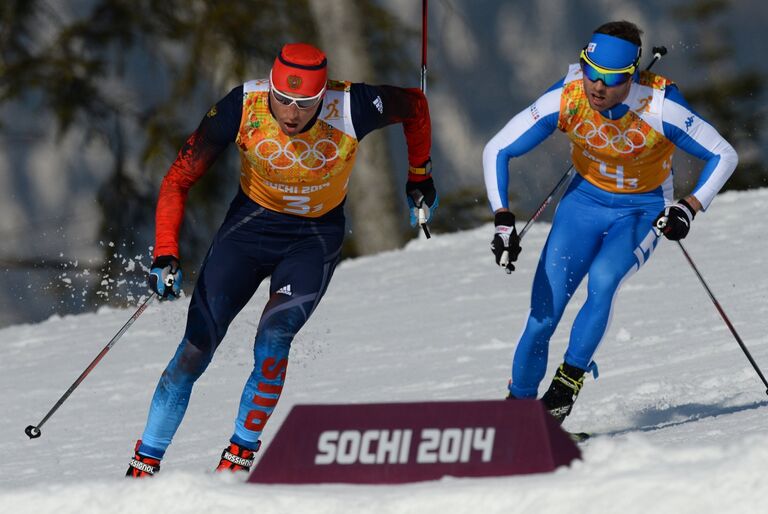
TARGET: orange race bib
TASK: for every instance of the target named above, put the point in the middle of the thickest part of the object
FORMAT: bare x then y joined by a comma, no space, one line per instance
627,155
306,174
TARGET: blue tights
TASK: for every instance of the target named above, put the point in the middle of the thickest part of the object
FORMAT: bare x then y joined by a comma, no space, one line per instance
604,235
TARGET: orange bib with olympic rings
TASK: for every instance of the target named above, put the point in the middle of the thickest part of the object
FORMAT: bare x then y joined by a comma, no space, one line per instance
306,174
627,155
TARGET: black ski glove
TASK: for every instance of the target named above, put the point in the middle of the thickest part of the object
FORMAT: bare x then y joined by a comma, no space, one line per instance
506,243
165,277
675,220
421,195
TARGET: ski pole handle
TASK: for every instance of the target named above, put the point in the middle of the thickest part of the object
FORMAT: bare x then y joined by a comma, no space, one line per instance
504,260
658,53
423,222
421,215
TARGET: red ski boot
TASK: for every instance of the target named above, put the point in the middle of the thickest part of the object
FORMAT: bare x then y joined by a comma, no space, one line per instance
237,458
142,466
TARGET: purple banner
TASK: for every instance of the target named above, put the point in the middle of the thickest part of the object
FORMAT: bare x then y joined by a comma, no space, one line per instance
408,442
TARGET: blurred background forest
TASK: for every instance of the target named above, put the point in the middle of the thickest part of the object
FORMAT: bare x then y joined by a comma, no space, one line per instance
96,97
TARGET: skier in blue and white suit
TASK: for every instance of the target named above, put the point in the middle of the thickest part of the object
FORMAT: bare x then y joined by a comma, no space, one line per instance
623,126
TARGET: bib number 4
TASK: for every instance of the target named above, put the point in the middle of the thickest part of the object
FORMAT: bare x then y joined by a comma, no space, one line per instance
618,176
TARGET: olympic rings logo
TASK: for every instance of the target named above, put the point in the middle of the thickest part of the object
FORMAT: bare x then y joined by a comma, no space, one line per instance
600,137
297,152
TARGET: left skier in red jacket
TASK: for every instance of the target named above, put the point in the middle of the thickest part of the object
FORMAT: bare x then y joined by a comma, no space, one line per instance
297,133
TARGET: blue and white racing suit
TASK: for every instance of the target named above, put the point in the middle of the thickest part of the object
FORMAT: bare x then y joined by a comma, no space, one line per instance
603,224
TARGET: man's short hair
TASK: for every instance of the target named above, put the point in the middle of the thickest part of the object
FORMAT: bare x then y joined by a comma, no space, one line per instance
625,30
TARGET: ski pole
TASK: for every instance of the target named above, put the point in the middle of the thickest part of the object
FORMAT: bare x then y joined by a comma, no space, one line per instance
658,52
563,180
419,201
33,431
424,46
723,315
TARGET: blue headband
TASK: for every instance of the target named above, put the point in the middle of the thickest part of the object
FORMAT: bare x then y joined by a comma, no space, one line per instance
612,52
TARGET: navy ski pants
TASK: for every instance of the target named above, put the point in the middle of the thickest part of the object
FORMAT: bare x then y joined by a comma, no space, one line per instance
253,243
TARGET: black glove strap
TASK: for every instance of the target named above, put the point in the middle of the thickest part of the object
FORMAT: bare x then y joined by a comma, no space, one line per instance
688,206
162,261
421,191
504,218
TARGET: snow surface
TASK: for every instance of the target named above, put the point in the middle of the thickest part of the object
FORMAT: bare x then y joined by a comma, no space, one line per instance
680,412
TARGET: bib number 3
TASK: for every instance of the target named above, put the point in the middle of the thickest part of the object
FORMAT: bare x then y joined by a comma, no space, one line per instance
300,205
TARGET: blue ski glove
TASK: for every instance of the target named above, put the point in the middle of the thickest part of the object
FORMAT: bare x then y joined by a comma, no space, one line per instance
165,277
422,196
675,220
